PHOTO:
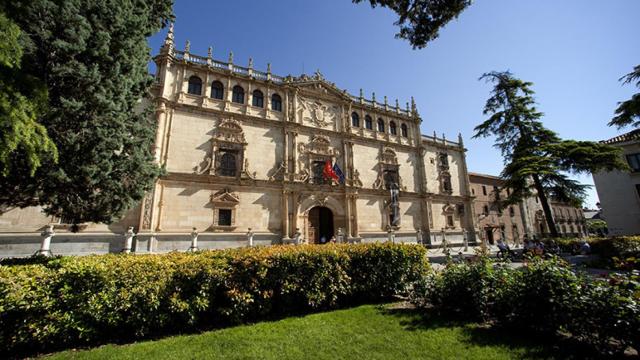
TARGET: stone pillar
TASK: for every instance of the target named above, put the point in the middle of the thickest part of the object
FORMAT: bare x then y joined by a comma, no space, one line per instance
465,240
250,237
45,246
194,240
419,236
128,240
340,236
285,214
391,235
354,216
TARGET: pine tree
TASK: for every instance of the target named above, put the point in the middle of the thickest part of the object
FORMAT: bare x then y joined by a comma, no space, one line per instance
91,56
535,157
22,99
421,20
628,112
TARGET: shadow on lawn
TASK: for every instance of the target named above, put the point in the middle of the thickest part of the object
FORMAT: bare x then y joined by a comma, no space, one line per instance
536,346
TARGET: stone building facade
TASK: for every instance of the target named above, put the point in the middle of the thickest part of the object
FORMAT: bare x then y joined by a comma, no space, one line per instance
619,191
515,221
248,151
493,221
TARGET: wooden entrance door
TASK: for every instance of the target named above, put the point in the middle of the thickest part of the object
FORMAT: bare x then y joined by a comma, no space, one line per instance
314,225
320,225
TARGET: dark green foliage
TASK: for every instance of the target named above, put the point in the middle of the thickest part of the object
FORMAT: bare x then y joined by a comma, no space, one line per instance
543,297
75,301
92,56
22,99
421,20
628,112
535,157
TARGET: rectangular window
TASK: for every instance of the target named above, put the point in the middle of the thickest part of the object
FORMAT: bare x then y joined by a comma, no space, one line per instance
224,217
484,190
450,221
634,161
390,177
318,168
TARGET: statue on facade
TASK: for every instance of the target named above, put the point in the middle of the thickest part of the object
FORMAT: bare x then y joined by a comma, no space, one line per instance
395,207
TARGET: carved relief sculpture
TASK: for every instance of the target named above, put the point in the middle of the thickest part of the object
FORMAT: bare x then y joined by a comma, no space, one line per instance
317,112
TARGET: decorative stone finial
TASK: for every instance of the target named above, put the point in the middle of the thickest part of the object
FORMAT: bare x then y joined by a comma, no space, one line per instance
397,104
407,106
230,57
361,93
460,139
319,75
210,53
167,46
250,63
269,68
385,100
373,96
187,46
434,135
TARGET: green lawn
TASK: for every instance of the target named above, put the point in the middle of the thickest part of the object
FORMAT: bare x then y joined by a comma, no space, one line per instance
365,332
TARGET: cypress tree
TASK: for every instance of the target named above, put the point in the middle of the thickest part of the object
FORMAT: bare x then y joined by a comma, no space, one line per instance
92,57
535,157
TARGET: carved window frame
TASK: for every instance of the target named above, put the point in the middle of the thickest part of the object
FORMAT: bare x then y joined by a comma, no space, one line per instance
318,149
224,200
388,161
228,137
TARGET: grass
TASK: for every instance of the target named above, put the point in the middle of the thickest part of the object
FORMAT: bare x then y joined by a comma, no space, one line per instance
365,332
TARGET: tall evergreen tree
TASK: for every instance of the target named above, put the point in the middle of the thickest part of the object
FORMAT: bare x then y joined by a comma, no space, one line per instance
92,56
628,112
535,157
421,20
22,99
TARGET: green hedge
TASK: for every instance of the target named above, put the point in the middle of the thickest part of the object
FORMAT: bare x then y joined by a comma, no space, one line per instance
77,301
544,296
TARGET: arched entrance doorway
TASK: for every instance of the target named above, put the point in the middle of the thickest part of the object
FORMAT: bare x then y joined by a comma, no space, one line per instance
320,225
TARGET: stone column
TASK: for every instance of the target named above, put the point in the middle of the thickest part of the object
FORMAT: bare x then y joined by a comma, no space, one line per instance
194,240
128,240
285,214
347,203
354,216
45,246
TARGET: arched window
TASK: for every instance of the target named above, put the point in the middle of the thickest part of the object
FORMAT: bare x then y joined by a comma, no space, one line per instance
404,130
380,125
227,164
258,98
368,122
355,120
238,94
195,85
392,128
276,102
217,90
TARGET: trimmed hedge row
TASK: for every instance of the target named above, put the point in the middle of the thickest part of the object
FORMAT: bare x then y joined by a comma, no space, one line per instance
621,246
78,301
544,296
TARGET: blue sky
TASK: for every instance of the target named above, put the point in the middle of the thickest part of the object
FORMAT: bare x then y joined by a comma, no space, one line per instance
574,51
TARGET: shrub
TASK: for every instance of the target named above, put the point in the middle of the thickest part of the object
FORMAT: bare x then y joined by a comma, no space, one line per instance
77,301
544,296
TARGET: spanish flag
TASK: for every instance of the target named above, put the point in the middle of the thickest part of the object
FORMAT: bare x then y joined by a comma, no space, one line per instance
328,173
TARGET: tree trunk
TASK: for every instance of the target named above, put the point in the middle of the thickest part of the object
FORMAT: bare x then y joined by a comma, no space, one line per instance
545,206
